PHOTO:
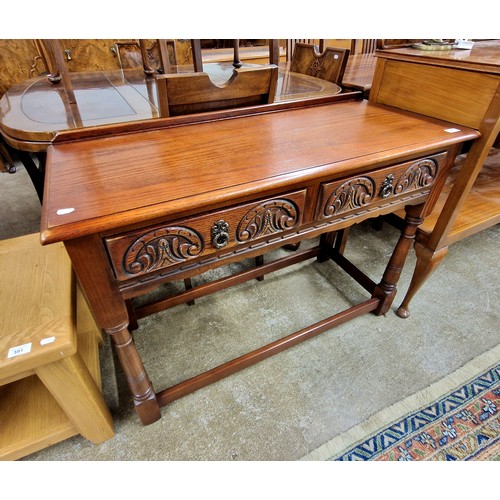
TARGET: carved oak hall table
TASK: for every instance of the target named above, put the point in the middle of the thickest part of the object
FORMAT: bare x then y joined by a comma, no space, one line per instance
136,209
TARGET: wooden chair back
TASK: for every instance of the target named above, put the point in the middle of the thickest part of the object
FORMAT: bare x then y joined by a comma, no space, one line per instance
290,46
368,45
187,93
328,65
156,58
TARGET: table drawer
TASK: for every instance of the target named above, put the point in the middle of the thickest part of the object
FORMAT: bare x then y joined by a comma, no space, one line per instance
158,247
381,187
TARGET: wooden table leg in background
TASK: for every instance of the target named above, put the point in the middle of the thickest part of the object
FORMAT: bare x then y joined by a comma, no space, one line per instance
35,172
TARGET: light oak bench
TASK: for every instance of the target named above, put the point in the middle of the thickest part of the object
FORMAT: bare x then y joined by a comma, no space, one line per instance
50,385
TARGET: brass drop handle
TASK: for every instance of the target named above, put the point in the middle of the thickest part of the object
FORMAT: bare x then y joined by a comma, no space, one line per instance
386,188
220,234
68,54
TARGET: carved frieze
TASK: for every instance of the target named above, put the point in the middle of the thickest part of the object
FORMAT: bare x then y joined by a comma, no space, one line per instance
267,218
353,194
417,176
162,247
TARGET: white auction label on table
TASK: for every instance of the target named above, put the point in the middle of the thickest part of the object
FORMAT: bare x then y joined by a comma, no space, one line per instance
18,350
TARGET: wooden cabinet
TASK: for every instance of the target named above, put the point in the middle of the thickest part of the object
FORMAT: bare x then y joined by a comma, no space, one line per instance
21,59
100,54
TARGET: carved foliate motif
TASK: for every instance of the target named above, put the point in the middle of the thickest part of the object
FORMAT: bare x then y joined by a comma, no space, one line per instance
351,195
315,67
161,247
267,218
418,175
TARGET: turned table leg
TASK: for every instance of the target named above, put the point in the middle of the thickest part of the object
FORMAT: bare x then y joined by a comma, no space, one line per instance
386,289
110,312
143,394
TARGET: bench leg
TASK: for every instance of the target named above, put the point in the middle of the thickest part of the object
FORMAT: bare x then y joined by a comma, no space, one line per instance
73,387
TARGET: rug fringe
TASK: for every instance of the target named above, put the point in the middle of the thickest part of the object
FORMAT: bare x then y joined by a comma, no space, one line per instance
407,406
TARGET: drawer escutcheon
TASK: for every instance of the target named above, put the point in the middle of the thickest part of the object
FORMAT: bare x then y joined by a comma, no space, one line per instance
220,234
386,188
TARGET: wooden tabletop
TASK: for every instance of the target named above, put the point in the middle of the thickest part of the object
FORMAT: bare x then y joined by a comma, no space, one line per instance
105,183
32,112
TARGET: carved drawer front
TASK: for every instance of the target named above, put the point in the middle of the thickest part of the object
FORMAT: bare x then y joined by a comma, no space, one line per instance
355,195
174,243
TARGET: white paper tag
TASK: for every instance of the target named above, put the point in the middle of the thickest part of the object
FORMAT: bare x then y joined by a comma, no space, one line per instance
47,340
64,211
18,350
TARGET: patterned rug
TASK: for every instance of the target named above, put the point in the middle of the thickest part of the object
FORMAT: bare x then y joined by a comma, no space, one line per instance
458,418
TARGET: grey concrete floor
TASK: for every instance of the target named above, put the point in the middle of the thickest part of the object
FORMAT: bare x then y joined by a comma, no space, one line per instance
290,404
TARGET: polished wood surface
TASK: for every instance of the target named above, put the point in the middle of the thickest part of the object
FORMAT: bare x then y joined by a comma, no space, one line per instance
462,86
31,113
138,209
107,191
